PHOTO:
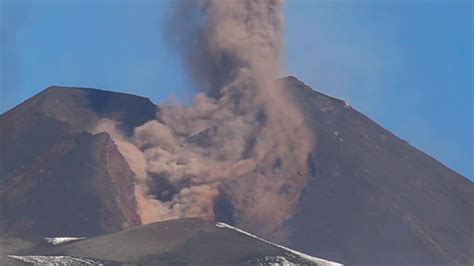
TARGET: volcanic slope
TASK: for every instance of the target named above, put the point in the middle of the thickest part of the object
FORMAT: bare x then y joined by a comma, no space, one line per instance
372,198
58,179
187,241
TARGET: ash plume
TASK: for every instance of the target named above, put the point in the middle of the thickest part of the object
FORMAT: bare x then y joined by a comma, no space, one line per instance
243,139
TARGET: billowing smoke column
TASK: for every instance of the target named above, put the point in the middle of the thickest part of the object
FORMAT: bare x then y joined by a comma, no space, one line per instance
242,145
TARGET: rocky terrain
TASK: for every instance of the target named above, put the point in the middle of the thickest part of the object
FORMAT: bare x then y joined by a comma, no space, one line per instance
372,198
188,241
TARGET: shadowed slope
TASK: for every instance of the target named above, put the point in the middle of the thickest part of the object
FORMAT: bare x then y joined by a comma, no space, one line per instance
374,199
188,241
55,178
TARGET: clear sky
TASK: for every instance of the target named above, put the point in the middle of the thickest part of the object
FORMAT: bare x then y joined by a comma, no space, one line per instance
406,64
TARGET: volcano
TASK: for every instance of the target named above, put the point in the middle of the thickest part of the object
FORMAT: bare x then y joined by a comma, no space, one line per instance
372,198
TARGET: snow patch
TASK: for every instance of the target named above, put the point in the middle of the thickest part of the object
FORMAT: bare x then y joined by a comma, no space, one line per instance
317,261
60,240
277,261
55,260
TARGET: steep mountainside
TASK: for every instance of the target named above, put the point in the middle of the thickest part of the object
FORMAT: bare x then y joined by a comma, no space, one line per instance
372,198
55,178
375,200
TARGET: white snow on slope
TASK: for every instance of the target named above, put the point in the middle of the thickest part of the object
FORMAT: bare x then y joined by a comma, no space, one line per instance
277,261
317,261
55,260
60,240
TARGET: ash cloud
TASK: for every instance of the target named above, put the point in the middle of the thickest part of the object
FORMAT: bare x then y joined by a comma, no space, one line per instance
242,140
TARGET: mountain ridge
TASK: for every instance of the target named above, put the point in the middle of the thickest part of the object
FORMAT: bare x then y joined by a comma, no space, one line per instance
164,243
386,176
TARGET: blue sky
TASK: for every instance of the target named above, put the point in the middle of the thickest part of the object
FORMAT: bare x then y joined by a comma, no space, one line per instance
406,64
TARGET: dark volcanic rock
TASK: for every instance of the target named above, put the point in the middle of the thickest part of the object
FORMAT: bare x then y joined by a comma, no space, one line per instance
32,127
62,191
57,179
177,242
373,198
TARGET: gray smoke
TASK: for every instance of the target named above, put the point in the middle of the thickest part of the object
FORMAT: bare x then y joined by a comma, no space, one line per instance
243,140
